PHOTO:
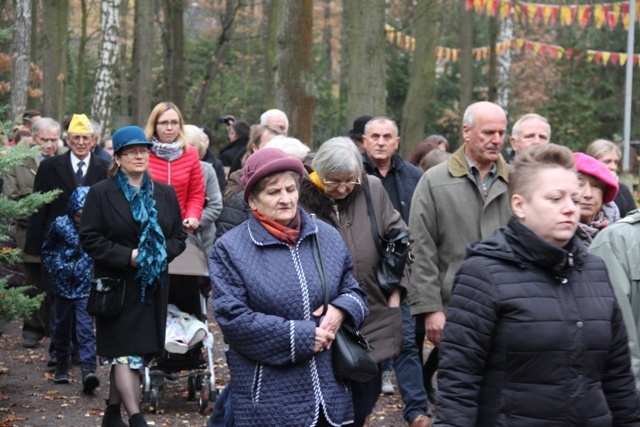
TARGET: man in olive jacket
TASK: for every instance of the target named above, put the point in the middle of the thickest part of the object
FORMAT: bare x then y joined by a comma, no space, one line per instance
455,203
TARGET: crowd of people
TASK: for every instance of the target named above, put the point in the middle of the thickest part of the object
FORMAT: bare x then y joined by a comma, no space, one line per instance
522,276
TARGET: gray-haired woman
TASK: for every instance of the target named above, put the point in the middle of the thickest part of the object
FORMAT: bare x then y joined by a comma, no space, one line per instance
335,193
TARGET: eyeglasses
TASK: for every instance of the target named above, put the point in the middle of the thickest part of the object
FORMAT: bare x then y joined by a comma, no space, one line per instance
165,123
47,140
332,185
136,153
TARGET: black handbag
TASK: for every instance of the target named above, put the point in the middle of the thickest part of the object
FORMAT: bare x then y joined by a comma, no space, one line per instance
350,351
394,249
106,297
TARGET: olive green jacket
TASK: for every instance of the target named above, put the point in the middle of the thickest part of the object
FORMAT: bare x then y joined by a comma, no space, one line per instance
447,213
619,246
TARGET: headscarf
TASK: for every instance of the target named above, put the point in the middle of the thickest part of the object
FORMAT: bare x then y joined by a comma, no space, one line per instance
152,251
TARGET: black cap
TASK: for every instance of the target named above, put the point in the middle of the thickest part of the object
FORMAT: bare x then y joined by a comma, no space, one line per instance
358,127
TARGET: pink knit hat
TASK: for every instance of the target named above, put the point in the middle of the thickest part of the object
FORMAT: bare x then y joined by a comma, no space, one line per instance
265,162
590,166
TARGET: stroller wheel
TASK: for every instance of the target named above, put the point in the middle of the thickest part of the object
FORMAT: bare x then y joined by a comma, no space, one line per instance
191,387
153,400
199,381
203,403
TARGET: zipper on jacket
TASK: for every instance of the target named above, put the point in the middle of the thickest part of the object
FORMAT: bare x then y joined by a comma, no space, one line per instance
335,209
570,259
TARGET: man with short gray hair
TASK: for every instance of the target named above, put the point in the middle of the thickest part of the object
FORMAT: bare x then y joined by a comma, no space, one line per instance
277,118
530,129
455,203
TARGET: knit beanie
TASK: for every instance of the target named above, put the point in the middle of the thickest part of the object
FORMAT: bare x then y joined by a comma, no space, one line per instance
265,162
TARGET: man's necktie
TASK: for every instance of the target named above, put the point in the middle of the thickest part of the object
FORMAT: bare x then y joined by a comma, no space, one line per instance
79,173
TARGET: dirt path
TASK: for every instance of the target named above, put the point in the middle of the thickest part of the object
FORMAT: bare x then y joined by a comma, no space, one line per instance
30,398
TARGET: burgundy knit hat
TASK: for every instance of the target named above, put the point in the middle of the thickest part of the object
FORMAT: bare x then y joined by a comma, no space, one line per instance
590,166
265,162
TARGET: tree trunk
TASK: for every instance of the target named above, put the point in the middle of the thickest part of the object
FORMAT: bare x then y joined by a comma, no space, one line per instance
466,58
105,82
173,34
21,57
214,60
295,89
54,62
494,29
364,56
272,12
81,58
422,76
141,91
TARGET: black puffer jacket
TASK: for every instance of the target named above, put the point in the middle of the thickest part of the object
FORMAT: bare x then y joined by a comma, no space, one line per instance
534,337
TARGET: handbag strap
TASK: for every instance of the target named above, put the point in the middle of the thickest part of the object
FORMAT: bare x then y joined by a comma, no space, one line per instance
317,257
372,219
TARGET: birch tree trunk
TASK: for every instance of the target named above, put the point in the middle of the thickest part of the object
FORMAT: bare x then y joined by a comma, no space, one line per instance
105,82
365,58
295,88
466,60
81,58
142,61
422,76
54,56
21,57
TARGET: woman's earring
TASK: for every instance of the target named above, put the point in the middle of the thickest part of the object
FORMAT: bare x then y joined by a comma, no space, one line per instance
521,215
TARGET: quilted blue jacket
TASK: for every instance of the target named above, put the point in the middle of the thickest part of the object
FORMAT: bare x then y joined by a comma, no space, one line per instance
264,292
69,266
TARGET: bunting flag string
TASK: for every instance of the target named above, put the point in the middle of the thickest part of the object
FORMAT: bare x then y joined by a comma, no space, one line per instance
534,13
446,54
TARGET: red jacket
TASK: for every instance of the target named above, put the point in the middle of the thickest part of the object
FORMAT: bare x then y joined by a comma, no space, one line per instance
185,176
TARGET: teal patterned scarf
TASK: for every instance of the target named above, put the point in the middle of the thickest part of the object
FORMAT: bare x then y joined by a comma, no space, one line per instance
152,251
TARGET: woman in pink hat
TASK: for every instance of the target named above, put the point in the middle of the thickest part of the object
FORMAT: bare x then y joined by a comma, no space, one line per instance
598,190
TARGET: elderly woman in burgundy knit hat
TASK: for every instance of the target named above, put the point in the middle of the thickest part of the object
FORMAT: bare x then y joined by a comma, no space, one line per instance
268,300
598,190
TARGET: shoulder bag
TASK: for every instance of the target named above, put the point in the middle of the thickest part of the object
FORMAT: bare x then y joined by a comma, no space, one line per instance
106,297
394,249
350,352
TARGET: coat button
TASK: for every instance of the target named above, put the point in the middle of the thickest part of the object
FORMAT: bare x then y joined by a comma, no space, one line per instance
564,281
579,324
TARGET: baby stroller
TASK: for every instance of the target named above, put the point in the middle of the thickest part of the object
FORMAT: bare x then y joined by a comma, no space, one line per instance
188,291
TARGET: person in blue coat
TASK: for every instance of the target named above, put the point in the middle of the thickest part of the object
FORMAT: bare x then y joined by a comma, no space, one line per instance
268,300
534,334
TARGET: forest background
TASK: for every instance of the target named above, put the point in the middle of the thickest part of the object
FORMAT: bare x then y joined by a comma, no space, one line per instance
324,62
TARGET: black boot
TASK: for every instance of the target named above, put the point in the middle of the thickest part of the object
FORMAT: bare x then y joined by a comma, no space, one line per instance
112,416
137,420
89,379
62,371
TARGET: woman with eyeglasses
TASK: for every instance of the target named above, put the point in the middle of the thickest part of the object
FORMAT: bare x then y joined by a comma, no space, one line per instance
174,162
132,228
335,192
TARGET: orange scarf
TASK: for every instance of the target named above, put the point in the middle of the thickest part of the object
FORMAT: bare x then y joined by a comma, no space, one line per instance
288,234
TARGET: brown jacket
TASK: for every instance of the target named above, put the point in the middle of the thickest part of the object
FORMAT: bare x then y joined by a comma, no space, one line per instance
383,327
18,183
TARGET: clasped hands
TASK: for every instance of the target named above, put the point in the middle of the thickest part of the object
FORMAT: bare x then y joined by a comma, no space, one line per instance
326,332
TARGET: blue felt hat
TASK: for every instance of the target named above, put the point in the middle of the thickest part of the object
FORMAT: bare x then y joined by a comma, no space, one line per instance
129,135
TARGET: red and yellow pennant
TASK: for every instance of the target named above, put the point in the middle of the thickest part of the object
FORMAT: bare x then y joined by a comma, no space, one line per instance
610,13
446,54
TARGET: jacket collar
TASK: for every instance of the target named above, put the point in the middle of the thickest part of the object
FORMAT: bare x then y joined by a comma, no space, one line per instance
261,237
396,163
458,166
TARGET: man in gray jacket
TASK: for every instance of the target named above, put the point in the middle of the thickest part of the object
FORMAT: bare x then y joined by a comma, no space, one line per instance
455,203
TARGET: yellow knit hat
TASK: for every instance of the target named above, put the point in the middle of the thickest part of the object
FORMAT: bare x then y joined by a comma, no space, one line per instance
80,124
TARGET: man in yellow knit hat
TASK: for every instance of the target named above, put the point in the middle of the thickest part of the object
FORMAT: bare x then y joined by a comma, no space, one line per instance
63,172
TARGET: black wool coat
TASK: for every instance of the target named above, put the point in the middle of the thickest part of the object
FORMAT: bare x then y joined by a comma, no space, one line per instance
109,234
57,173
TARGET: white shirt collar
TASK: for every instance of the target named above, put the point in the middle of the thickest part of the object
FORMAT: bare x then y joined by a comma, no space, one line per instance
75,161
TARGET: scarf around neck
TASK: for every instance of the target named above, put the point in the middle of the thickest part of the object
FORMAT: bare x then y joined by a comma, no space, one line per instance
152,252
168,152
286,233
